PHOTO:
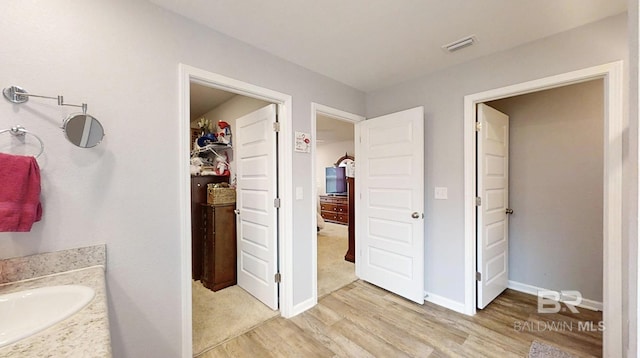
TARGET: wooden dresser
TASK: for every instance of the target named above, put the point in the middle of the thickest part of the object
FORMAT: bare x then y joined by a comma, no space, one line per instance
335,209
219,251
199,197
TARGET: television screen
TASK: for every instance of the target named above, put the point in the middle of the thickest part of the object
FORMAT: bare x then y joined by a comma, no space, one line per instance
336,180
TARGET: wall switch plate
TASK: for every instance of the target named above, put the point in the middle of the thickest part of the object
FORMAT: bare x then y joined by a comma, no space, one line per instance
299,193
440,193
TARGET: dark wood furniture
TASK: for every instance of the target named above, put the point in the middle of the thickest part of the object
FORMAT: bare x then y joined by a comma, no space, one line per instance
334,209
219,259
342,209
198,197
351,190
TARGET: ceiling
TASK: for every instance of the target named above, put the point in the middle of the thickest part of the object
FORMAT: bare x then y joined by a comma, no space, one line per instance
329,130
371,44
203,99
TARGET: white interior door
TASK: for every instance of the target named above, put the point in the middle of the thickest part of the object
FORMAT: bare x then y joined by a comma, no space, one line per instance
390,202
493,190
255,152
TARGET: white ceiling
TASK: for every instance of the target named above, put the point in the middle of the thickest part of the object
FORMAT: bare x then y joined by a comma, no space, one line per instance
370,44
203,99
329,130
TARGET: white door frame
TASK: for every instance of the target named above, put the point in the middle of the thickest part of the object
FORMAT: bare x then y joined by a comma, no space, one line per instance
188,74
342,116
612,75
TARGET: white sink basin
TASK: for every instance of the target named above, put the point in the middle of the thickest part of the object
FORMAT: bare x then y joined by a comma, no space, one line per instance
27,312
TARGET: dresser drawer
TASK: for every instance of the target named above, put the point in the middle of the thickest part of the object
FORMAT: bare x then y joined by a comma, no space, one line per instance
328,207
329,215
341,209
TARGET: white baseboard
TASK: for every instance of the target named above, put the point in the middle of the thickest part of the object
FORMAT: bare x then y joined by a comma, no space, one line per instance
533,290
444,302
302,306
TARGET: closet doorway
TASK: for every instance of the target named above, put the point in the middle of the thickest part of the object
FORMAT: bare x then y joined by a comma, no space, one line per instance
233,168
334,178
540,219
233,248
479,272
551,192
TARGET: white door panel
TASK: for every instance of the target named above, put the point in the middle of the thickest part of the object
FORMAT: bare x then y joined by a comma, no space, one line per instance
255,148
390,174
493,188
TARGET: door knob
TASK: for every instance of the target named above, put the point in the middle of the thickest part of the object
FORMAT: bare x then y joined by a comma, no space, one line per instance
236,211
509,211
415,215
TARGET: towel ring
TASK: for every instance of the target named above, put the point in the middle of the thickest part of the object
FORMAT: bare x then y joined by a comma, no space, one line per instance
19,131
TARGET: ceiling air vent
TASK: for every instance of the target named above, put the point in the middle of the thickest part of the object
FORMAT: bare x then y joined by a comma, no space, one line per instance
460,44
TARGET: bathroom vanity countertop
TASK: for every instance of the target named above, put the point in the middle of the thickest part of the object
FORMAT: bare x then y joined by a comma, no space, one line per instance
84,334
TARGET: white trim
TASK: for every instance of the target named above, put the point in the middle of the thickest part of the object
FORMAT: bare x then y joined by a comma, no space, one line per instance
189,74
611,73
184,203
342,116
533,290
444,302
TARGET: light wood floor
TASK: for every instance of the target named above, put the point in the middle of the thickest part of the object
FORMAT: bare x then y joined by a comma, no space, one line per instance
361,320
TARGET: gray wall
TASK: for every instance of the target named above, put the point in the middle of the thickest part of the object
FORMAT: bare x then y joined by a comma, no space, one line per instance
121,57
442,96
555,187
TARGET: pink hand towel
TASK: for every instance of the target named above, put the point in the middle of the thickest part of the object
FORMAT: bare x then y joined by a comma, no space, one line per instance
19,193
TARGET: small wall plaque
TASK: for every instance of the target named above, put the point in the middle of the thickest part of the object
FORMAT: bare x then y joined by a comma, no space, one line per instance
303,142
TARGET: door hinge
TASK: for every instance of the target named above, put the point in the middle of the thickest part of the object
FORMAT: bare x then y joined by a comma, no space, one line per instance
276,126
276,203
478,276
478,201
277,277
478,126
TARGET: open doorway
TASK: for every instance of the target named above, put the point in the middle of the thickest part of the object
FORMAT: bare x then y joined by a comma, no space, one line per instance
334,180
556,184
540,217
218,122
334,157
610,74
255,141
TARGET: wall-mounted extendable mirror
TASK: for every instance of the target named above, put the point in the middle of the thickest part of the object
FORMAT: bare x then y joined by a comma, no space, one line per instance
81,129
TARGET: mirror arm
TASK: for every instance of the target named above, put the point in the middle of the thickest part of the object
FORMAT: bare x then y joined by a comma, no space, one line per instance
83,106
85,138
15,94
